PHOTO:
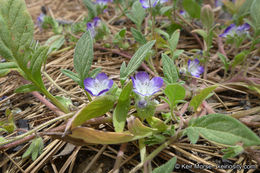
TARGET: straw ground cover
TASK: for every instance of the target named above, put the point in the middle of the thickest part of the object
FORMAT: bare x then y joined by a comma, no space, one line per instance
237,95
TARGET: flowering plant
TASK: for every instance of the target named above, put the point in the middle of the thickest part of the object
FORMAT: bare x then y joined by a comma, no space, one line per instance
143,98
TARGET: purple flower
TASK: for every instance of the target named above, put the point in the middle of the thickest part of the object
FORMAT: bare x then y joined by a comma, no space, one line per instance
143,86
92,25
99,85
182,12
232,29
146,3
40,20
103,2
194,68
242,29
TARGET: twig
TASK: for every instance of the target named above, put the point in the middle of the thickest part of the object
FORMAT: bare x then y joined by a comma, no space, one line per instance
14,162
65,116
95,158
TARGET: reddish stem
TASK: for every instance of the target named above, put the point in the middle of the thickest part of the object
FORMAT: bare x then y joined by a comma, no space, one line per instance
119,157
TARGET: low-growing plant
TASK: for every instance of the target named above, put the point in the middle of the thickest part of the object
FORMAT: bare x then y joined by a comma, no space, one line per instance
135,101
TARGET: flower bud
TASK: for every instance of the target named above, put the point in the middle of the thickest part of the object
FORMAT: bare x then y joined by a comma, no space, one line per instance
207,16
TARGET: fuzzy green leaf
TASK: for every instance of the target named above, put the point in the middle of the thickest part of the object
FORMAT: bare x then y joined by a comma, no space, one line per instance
224,60
83,56
6,67
174,40
169,70
122,107
71,75
192,7
96,108
55,43
175,93
197,100
91,8
136,60
167,167
137,14
193,134
225,130
239,58
255,13
138,36
36,63
16,31
26,88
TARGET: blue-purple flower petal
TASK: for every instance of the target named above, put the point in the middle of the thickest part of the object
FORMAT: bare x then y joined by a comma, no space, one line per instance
146,3
99,85
103,2
143,86
233,29
91,26
194,68
230,30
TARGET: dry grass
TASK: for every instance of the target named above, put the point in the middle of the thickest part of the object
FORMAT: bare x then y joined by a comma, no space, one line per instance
232,99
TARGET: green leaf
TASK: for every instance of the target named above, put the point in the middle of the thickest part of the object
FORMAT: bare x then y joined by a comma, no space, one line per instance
83,56
175,93
239,58
255,13
7,67
163,33
123,73
193,134
225,130
207,16
65,101
192,7
136,127
36,63
197,100
137,14
167,167
94,72
157,123
96,108
138,36
201,32
26,88
174,40
169,70
91,8
136,60
232,151
71,75
2,139
34,149
55,43
244,9
122,32
224,60
163,10
16,31
122,107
